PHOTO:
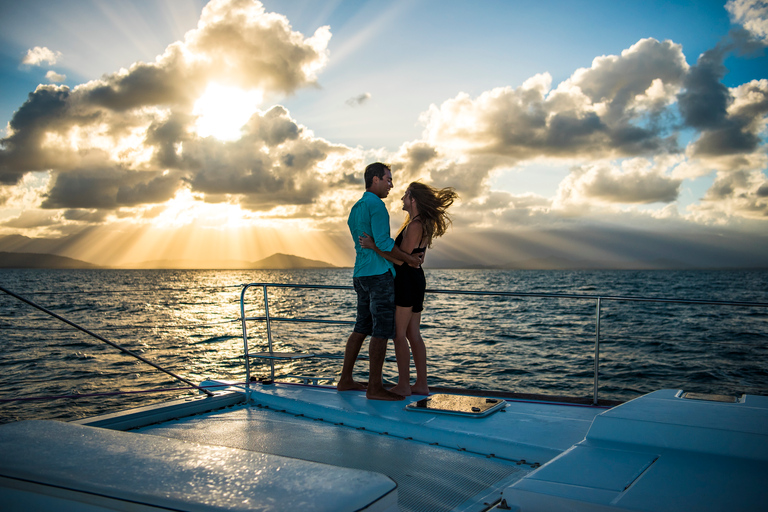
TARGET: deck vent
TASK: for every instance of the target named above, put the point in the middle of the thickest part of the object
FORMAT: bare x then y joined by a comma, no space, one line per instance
711,398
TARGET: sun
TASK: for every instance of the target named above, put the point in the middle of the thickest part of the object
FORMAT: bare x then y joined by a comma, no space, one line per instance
221,111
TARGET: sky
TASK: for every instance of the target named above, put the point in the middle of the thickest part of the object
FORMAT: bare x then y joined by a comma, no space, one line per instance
615,133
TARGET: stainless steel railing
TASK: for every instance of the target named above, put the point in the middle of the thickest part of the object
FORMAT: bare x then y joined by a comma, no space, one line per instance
598,299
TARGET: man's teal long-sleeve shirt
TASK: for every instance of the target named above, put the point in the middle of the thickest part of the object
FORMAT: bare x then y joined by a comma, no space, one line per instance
369,215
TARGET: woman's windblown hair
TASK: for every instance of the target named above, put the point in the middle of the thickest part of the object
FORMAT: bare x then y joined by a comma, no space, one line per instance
432,204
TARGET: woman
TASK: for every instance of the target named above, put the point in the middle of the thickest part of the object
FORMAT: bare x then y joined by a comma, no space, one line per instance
426,219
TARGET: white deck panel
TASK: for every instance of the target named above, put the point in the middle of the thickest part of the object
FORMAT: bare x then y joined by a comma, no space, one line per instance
51,465
429,478
659,453
528,430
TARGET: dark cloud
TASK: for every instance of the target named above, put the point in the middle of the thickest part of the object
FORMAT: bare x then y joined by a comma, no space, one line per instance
86,216
728,126
468,178
633,185
619,80
704,101
740,193
359,100
568,132
109,189
273,162
411,161
273,127
732,138
753,15
158,84
32,219
46,110
634,188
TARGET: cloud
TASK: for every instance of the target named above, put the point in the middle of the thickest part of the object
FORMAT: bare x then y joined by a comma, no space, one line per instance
641,81
635,182
618,115
109,189
129,138
730,123
126,144
752,14
614,109
358,100
602,111
53,76
40,55
33,219
734,124
736,194
500,208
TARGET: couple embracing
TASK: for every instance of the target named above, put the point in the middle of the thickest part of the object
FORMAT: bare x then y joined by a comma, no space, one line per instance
389,281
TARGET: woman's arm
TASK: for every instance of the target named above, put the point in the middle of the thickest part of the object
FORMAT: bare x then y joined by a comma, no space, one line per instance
366,242
398,255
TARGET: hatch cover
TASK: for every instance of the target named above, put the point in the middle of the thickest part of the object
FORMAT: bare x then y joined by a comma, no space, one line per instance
473,406
712,398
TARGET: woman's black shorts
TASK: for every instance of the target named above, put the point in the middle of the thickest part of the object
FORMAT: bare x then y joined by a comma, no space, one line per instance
410,284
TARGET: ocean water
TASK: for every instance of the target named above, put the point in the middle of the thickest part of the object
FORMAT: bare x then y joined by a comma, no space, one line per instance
188,322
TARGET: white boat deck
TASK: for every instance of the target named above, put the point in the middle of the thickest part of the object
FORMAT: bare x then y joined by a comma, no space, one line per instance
439,461
660,452
524,430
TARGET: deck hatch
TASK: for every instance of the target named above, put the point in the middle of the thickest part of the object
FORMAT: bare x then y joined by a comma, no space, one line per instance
473,406
710,397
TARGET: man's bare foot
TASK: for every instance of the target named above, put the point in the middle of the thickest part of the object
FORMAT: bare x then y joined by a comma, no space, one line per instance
420,390
350,385
401,390
383,394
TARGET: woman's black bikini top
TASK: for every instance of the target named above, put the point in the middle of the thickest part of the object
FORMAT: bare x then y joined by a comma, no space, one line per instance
399,240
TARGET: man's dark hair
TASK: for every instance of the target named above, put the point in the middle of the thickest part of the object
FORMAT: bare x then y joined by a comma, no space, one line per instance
377,169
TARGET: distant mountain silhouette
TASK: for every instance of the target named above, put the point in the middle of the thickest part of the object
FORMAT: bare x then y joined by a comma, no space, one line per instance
279,261
188,265
34,260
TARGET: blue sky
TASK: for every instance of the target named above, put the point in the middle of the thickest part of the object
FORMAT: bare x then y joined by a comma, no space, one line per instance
635,135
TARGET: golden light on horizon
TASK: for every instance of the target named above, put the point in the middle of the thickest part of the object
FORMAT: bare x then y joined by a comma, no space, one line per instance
189,231
223,110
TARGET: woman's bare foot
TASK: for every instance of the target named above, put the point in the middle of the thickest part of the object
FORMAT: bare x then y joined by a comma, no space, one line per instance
350,385
401,390
383,394
420,390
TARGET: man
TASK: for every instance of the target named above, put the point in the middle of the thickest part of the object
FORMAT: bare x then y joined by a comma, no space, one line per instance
374,280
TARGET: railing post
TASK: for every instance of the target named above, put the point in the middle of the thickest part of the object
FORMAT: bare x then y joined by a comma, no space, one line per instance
269,335
245,344
597,349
